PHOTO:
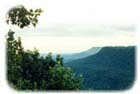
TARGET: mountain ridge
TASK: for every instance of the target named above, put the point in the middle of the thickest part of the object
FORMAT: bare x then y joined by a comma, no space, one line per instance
79,55
112,68
73,56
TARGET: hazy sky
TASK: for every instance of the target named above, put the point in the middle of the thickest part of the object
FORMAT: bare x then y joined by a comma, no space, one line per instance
77,25
74,38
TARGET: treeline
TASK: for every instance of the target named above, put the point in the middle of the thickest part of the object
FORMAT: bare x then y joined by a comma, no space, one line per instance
27,70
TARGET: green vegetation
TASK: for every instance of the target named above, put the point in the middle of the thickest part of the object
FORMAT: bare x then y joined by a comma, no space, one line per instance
112,68
22,17
27,70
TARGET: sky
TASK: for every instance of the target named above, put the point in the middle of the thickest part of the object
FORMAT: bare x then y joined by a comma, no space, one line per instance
69,26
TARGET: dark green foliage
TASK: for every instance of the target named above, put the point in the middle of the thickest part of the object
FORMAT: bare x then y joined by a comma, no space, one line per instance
62,78
59,59
27,70
22,17
14,54
113,68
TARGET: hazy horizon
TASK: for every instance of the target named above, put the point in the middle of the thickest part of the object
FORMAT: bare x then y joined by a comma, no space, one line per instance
73,38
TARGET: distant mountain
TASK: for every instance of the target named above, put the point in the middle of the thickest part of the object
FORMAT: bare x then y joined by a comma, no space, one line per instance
74,56
112,68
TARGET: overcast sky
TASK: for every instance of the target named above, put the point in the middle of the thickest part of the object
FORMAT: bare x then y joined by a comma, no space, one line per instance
76,25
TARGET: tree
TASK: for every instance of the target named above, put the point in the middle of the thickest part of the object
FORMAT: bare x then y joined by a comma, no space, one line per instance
22,17
27,70
14,58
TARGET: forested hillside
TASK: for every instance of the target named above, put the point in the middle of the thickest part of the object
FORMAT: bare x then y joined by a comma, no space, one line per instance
111,68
